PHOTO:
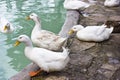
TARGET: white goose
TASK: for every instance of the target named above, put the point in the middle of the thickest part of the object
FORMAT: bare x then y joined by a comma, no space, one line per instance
75,4
112,3
5,26
47,60
92,33
43,38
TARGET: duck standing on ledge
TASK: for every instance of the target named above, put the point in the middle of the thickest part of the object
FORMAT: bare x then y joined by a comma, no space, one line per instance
5,26
43,38
47,60
92,33
112,3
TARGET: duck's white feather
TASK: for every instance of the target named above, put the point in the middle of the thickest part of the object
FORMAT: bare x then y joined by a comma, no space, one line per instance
3,23
47,60
48,40
94,33
112,3
44,38
75,4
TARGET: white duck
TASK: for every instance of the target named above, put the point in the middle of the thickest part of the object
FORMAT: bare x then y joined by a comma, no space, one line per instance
47,60
112,3
44,38
5,26
92,33
75,4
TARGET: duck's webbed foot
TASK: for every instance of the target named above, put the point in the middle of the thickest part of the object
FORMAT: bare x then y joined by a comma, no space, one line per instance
34,73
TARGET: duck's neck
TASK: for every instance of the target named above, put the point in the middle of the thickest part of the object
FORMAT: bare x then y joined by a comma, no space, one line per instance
28,44
37,24
28,47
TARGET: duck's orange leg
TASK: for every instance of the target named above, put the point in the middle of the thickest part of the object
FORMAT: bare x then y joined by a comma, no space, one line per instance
34,73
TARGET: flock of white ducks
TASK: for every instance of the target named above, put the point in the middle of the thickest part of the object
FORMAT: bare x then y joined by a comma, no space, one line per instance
46,41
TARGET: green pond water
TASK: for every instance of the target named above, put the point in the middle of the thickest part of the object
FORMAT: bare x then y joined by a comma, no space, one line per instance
52,15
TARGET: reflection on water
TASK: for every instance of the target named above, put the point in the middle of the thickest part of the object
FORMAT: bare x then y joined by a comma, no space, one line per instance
52,16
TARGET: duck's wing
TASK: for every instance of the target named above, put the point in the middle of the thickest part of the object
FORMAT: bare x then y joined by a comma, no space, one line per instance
47,32
95,29
50,56
47,36
101,29
55,57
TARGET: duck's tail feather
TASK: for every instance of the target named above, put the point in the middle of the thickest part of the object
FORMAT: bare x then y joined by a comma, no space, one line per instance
111,29
66,51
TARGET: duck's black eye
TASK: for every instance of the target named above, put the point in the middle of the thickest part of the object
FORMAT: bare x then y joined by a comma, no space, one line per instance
74,28
8,24
20,37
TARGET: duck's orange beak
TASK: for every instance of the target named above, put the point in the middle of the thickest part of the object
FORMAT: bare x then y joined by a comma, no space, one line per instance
27,18
5,28
71,32
17,43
